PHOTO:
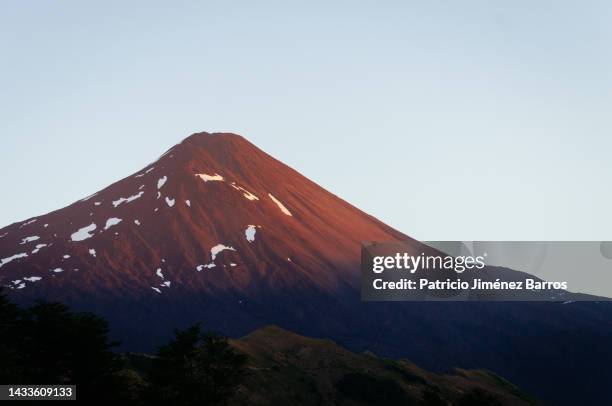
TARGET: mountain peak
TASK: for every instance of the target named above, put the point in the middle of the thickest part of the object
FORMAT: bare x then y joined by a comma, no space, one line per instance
221,152
205,138
217,142
213,214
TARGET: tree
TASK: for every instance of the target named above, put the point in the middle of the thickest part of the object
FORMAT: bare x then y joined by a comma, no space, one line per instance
478,397
431,397
11,354
65,346
49,344
196,368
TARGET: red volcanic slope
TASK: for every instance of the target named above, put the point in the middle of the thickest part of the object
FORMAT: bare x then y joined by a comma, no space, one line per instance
213,214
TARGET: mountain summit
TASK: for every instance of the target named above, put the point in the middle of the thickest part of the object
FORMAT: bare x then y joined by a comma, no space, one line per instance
212,214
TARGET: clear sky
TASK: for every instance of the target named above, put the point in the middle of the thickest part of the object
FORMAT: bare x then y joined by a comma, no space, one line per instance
445,119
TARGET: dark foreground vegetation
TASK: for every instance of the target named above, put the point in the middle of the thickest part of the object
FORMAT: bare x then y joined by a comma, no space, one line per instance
48,343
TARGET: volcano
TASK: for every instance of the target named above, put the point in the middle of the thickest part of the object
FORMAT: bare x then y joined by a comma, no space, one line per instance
214,214
218,231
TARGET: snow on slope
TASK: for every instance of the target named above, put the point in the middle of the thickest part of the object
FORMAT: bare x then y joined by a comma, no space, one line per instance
116,241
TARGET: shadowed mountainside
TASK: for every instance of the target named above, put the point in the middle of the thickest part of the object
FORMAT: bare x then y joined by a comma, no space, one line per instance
289,369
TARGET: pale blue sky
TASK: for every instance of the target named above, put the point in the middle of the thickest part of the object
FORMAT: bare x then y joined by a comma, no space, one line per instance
445,119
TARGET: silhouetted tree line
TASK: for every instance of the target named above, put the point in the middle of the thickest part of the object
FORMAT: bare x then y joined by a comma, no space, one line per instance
473,397
48,343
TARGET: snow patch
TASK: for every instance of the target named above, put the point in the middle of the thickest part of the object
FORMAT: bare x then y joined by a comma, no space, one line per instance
38,247
113,221
127,199
137,222
5,261
155,289
218,248
145,172
210,178
83,233
214,251
250,233
170,202
159,273
66,256
199,268
245,193
188,203
46,225
3,235
166,284
28,222
280,205
161,182
97,203
32,278
57,270
92,252
29,239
